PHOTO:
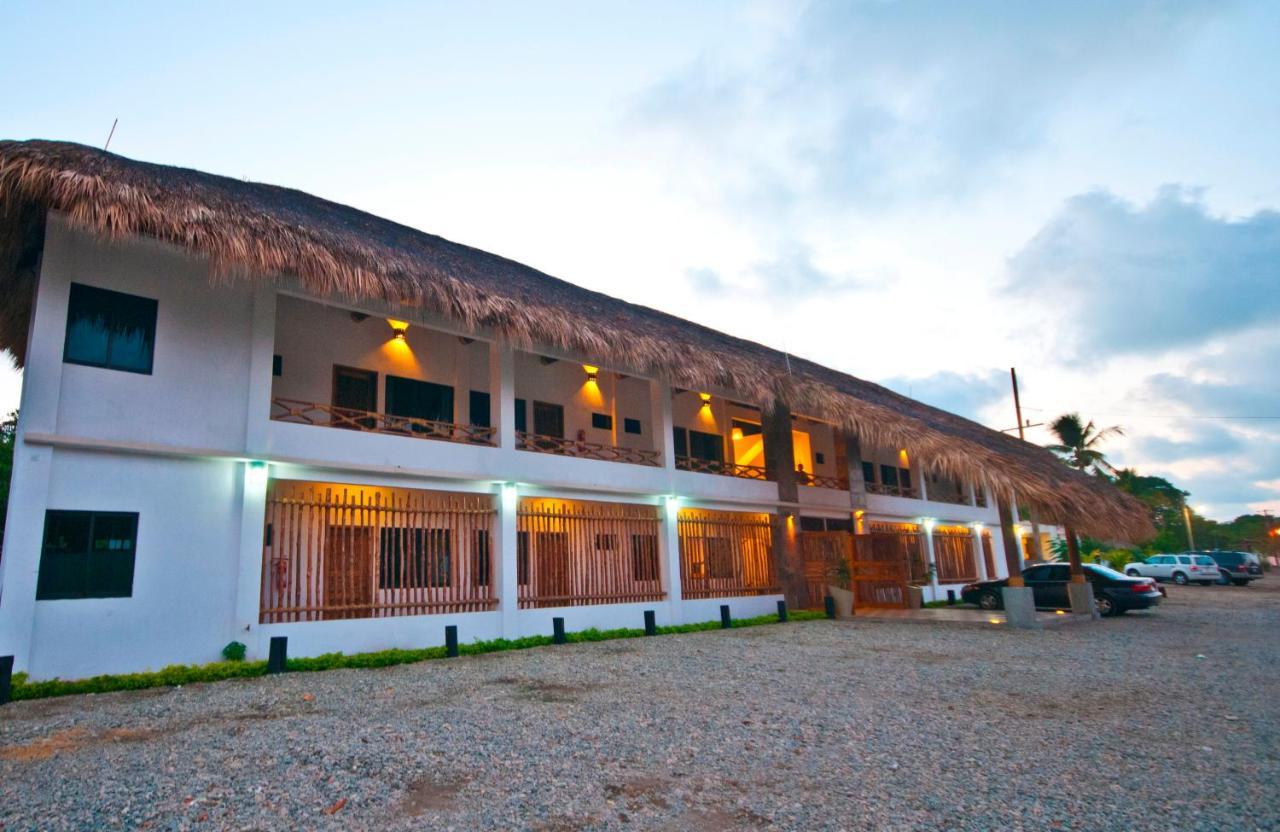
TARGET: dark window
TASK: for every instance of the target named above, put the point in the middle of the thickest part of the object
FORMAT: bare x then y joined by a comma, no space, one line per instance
354,389
603,421
481,558
869,472
889,475
110,329
277,365
522,416
818,458
548,419
681,438
478,407
419,399
719,558
522,558
606,542
644,557
631,426
904,476
842,525
415,558
87,554
708,446
812,524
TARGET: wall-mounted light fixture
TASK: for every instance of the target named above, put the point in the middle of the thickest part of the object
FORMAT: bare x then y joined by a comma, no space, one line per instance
256,474
706,399
398,328
592,371
928,523
977,527
673,506
510,496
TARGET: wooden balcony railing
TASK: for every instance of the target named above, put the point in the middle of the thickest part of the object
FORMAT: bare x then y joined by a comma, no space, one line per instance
947,496
892,490
727,469
585,450
819,481
312,413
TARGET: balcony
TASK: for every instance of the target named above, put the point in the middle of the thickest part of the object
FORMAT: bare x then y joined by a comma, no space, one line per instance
726,469
581,449
838,483
890,490
313,413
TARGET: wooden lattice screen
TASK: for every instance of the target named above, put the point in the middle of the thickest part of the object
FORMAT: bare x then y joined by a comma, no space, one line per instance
725,554
902,542
954,556
579,553
988,555
374,552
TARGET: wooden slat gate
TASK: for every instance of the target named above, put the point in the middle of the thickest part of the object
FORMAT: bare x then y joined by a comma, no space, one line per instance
880,568
822,553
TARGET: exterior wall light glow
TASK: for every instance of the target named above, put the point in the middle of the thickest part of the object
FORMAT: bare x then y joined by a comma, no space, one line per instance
673,506
256,474
736,433
509,496
592,372
398,328
929,523
706,399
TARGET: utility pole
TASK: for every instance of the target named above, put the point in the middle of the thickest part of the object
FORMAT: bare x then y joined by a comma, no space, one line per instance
1035,552
1186,518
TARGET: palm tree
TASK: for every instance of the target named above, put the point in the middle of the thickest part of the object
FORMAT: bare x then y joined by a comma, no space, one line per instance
1078,443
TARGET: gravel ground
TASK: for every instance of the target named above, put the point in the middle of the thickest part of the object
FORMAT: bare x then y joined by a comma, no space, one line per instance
1163,720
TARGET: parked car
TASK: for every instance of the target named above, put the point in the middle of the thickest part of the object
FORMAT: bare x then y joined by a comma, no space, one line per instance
1113,592
1181,569
1237,568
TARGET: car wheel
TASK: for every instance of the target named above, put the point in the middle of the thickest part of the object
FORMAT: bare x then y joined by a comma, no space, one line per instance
1240,583
1179,578
1133,573
1106,607
989,601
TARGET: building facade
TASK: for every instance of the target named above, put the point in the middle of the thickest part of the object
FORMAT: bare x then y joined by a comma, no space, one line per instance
201,461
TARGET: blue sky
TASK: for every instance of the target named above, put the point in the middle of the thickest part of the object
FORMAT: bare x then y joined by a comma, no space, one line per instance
922,193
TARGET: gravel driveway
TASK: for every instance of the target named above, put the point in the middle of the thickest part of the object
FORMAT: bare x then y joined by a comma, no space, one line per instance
1163,720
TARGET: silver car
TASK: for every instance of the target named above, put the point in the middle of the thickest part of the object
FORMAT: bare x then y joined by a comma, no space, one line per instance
1181,569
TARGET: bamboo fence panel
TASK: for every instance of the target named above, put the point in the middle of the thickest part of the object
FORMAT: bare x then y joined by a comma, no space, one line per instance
574,553
348,553
953,554
725,554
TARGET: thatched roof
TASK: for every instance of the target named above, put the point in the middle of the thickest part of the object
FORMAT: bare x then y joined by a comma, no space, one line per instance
253,231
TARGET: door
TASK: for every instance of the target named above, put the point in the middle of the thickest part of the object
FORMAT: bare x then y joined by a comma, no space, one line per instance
1163,567
1049,585
419,400
348,572
551,569
548,419
353,389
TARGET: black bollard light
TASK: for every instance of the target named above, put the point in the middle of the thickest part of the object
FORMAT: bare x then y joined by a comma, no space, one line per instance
451,641
6,679
279,654
951,597
829,604
725,621
650,623
782,612
557,631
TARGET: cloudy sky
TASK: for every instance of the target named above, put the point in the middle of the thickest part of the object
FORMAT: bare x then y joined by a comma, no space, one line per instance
920,193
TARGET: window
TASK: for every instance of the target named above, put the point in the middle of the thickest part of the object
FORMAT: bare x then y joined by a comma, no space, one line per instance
813,524
631,426
522,558
481,558
354,389
719,558
415,558
680,437
889,475
644,557
842,525
819,458
87,554
707,446
277,365
548,419
904,477
606,542
602,421
110,329
478,408
419,400
522,419
869,472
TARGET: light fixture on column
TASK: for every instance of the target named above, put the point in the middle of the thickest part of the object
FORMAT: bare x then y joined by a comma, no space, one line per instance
510,496
928,523
398,328
256,473
673,506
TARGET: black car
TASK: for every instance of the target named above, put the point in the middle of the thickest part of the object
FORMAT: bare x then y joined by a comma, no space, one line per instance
1113,592
1236,567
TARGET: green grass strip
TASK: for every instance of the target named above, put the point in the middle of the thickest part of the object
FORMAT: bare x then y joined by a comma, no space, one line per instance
184,674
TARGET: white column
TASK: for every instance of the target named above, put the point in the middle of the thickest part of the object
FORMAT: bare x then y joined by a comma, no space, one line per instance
502,393
262,348
921,486
979,558
929,559
669,558
505,555
253,509
663,422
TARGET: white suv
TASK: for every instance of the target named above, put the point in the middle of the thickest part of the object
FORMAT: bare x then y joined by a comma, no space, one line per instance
1181,569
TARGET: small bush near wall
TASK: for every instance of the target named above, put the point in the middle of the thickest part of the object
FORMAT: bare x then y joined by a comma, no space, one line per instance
176,675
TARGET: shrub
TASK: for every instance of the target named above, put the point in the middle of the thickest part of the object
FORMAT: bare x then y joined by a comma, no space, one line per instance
234,652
